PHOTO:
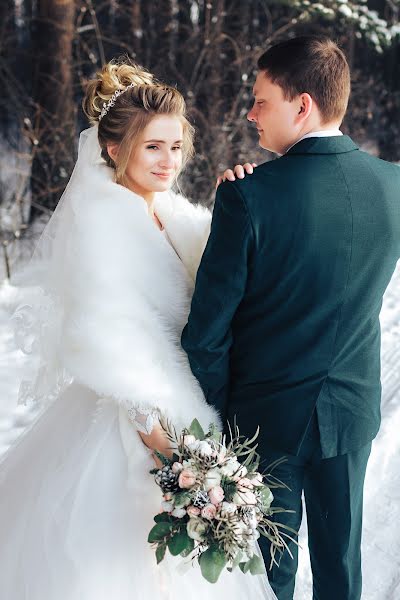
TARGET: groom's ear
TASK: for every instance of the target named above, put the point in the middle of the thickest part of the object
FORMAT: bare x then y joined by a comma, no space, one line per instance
305,105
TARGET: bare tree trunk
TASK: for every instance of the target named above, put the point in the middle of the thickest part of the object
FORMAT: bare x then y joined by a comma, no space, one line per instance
137,29
54,99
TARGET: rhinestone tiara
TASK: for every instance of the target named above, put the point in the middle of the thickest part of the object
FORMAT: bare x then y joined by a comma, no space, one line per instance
111,102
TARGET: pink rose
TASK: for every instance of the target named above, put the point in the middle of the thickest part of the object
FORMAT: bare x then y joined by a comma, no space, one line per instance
216,494
209,511
257,480
243,498
187,479
245,484
193,511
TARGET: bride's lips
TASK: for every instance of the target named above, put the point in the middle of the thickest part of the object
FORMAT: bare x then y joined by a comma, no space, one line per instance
163,175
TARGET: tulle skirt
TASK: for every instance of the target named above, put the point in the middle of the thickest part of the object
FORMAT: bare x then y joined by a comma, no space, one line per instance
75,514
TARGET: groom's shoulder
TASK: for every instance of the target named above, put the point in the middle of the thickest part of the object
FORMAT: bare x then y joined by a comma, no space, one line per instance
267,176
379,164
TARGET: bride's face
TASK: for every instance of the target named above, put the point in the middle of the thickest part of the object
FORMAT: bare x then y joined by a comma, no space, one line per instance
157,159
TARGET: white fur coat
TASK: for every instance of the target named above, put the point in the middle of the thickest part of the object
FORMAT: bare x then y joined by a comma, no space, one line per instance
128,297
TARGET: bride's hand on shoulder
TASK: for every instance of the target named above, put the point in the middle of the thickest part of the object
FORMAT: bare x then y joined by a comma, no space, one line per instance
238,171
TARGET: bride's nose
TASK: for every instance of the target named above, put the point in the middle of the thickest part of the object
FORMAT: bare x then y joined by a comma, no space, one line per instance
167,161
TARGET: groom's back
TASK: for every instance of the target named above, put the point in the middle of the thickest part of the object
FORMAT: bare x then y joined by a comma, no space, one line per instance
326,225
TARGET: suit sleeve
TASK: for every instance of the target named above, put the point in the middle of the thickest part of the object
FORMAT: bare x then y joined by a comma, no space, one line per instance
220,286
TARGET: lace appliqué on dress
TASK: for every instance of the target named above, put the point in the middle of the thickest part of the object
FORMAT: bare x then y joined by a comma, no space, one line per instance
143,419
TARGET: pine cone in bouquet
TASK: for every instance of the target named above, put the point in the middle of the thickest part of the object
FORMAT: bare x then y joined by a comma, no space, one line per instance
167,480
201,499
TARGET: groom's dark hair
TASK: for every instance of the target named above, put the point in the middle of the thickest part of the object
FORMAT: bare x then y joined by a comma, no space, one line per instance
314,65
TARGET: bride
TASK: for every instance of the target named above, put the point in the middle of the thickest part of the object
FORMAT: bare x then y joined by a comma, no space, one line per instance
111,283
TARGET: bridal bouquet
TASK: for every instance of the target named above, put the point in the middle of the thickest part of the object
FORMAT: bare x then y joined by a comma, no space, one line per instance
215,507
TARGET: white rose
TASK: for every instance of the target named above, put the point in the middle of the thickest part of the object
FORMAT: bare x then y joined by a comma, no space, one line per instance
243,498
204,448
212,479
240,473
196,528
167,506
179,513
188,439
177,467
193,446
228,508
230,467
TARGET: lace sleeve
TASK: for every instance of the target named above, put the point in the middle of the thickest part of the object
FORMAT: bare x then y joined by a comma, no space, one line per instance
143,419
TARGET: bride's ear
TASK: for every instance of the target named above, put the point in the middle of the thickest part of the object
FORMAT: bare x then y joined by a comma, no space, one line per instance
112,151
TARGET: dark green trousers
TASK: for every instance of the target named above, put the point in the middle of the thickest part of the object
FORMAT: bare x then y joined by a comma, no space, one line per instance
333,492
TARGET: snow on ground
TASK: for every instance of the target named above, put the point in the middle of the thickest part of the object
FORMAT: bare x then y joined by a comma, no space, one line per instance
381,538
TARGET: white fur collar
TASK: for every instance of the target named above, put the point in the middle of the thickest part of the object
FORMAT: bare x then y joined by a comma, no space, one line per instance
128,298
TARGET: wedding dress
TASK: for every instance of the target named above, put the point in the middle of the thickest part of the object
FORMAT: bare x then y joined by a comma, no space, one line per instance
110,294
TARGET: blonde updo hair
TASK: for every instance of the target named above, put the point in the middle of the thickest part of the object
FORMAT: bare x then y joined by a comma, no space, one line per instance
133,110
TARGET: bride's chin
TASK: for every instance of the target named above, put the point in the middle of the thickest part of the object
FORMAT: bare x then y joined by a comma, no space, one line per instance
163,187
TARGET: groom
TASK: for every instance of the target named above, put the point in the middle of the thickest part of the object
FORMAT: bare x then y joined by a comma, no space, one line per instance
284,326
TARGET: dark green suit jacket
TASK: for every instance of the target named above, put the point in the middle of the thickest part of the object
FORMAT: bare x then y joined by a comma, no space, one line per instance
285,313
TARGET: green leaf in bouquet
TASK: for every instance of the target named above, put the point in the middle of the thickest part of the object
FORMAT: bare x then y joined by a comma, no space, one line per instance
197,430
236,561
175,457
188,549
179,543
214,433
257,566
212,562
161,517
182,499
165,461
159,532
245,566
266,497
230,488
160,552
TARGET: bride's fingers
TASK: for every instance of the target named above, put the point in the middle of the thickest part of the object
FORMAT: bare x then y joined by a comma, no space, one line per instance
239,171
248,167
219,181
229,175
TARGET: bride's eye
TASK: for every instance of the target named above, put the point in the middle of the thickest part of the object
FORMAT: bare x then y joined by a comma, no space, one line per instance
152,147
176,147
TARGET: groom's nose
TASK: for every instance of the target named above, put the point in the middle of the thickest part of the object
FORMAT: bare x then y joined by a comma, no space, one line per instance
251,115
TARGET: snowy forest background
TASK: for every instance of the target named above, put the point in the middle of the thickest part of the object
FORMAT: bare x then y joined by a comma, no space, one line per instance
49,48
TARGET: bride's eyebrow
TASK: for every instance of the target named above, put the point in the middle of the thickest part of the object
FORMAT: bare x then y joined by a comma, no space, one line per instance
162,142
